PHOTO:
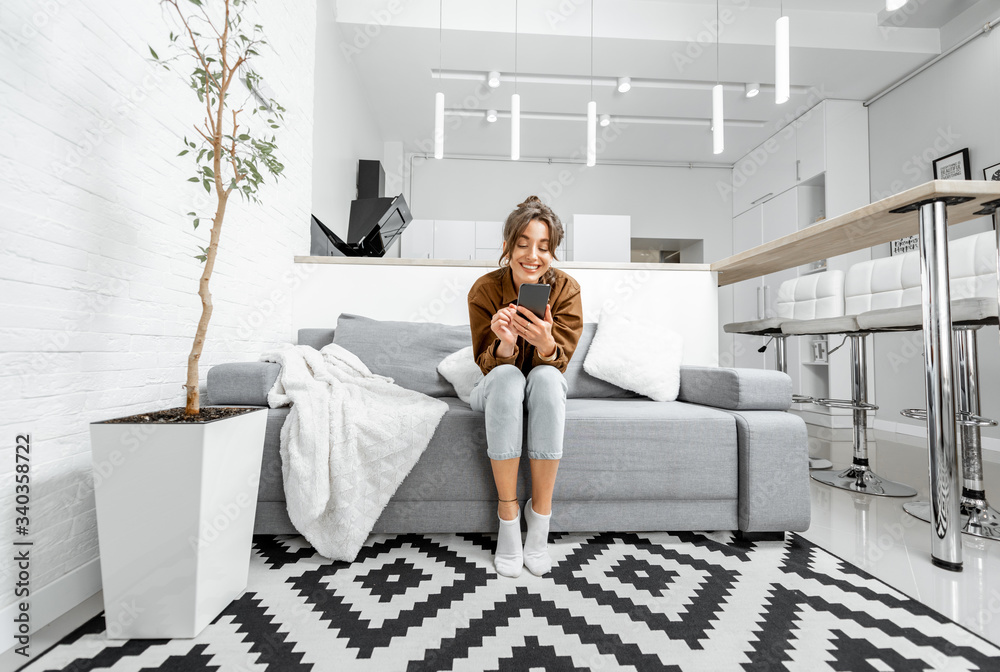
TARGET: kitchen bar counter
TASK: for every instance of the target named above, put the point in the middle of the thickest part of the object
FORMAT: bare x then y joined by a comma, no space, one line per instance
869,225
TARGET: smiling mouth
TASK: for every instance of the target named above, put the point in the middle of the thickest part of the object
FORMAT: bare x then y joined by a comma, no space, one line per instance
529,268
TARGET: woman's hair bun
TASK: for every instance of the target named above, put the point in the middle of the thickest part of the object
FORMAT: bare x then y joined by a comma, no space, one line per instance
529,201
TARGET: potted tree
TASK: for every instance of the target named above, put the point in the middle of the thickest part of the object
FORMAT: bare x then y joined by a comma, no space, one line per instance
176,489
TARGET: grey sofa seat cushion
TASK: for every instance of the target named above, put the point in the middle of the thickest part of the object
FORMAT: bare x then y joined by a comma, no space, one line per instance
624,449
769,325
736,389
636,449
407,352
241,382
968,311
845,324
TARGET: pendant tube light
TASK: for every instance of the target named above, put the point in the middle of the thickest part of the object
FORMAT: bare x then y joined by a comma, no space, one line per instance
515,104
718,138
515,127
781,59
591,134
438,125
592,105
439,96
718,142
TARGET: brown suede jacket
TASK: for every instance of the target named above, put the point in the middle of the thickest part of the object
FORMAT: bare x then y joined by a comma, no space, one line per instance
495,290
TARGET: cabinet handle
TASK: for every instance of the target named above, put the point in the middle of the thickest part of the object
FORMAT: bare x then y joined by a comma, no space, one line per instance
767,301
770,193
759,311
797,162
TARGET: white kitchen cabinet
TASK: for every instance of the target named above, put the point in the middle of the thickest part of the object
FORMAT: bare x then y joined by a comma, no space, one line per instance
489,235
601,238
417,240
454,239
765,172
810,143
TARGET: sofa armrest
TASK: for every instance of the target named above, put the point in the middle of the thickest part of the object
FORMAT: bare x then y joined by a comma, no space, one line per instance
244,383
736,389
773,471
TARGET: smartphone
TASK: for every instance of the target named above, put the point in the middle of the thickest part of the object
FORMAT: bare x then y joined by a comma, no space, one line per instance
534,297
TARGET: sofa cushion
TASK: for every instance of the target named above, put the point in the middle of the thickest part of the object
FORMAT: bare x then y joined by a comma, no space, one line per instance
582,385
317,338
407,352
622,449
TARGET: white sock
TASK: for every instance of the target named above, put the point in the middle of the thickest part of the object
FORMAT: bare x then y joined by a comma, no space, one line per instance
536,555
509,557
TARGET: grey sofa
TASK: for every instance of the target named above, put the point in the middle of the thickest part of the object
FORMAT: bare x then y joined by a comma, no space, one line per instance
724,456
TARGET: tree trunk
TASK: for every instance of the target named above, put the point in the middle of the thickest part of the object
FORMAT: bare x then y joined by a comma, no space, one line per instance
193,398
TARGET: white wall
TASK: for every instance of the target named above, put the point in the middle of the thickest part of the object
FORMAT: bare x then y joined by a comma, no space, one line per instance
98,280
662,202
947,107
345,129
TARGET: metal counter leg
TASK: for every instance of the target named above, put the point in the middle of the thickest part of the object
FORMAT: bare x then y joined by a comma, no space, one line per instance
859,477
946,546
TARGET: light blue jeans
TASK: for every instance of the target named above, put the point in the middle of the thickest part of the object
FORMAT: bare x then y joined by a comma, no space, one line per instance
504,393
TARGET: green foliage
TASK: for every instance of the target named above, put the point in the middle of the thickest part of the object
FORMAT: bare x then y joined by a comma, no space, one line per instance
240,159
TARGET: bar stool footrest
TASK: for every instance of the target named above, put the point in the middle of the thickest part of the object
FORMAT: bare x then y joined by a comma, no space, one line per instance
963,418
802,399
847,403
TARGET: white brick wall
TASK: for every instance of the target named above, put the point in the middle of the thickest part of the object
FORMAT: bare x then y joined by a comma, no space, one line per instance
97,276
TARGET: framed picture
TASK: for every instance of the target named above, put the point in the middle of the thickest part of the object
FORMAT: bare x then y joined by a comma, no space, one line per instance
954,166
992,174
904,245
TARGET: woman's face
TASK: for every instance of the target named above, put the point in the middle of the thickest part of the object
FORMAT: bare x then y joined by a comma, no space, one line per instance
531,255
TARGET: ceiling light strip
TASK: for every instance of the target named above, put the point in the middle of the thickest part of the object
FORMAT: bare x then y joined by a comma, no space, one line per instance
583,80
616,118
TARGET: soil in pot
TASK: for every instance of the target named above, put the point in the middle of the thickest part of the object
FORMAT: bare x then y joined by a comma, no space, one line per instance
178,416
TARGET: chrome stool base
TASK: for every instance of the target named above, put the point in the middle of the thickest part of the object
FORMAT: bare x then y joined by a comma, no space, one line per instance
984,520
819,463
861,479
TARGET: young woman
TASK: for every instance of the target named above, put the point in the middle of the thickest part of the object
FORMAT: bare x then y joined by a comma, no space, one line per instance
524,359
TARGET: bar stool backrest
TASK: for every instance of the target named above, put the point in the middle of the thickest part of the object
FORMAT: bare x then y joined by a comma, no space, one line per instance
894,282
972,266
810,297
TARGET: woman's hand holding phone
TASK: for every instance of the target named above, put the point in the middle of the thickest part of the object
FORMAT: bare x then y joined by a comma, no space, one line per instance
535,331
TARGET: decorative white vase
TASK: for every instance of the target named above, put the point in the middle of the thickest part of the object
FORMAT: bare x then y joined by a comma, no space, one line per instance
175,513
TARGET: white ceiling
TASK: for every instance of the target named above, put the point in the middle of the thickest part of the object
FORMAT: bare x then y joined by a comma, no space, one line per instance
847,49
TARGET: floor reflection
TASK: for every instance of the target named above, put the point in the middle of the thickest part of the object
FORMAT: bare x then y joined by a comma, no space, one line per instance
877,535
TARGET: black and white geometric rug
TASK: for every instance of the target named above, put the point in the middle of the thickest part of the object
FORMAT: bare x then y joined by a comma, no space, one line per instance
612,601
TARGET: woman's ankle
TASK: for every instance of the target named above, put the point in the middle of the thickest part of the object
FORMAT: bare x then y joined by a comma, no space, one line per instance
508,510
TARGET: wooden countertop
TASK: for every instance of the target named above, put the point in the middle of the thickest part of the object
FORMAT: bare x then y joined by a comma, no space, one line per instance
482,263
868,225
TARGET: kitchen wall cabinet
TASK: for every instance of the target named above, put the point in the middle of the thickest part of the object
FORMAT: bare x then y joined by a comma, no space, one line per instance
815,168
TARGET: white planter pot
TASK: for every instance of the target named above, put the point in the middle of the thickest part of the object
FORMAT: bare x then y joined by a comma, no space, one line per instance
175,513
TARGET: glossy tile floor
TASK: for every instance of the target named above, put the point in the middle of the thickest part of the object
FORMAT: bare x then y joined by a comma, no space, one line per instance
877,535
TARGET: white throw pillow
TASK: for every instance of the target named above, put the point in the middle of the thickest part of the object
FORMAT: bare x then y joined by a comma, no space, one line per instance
634,349
460,369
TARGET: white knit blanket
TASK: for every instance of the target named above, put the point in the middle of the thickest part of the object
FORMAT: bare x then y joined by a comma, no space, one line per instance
350,439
